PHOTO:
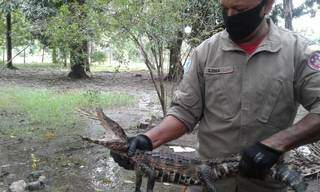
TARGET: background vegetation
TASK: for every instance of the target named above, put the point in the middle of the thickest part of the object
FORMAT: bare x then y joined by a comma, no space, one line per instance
42,110
79,34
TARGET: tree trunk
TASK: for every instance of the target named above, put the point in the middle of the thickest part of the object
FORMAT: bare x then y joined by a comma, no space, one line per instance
163,99
24,56
79,51
175,65
78,59
3,54
65,60
288,9
64,53
54,56
8,40
42,59
86,56
90,52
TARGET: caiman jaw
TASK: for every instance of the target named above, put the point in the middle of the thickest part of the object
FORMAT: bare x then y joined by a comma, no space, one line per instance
114,145
118,142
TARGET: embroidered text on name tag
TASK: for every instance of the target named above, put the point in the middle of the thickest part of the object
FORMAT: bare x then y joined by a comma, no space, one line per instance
219,70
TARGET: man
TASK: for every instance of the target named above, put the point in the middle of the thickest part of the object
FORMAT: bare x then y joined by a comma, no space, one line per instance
243,88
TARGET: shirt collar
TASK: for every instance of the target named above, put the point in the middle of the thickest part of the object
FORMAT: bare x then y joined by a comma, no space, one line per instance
271,43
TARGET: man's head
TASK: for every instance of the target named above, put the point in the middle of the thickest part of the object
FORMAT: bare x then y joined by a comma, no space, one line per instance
243,17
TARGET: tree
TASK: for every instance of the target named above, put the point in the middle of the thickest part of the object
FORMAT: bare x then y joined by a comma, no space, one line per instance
2,32
158,26
287,11
21,32
38,12
68,25
9,40
79,54
175,64
307,7
17,28
205,19
7,7
151,25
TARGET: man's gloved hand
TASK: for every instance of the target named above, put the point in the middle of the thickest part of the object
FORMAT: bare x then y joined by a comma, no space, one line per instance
140,142
257,160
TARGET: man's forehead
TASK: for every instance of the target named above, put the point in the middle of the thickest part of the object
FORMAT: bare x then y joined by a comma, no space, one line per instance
236,3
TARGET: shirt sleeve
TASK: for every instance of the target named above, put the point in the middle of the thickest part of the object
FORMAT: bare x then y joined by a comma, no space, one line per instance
187,102
307,85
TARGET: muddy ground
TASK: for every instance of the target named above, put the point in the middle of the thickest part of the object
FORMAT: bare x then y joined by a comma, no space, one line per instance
68,163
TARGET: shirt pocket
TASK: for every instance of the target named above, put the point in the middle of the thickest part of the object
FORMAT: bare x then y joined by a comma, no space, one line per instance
220,85
273,90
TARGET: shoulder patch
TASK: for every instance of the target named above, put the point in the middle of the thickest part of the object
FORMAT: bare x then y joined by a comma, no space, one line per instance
314,61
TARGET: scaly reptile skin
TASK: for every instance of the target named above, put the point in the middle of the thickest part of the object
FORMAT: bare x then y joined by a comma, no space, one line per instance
181,170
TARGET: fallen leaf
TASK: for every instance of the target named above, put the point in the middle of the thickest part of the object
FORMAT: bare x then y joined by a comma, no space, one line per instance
49,135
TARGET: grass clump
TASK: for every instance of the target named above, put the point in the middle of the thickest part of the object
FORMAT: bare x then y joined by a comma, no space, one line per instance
26,110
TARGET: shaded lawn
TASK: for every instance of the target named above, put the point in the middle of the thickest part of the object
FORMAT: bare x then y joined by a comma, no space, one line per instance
27,111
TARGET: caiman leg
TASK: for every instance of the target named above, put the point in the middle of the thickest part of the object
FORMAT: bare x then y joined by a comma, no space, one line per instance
206,178
139,175
151,177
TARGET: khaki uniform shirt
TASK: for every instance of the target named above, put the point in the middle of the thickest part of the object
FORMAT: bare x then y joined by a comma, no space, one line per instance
239,99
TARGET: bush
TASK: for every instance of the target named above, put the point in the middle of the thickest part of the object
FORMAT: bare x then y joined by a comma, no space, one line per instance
98,56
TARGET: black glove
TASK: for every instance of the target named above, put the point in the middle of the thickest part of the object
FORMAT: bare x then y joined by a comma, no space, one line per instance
257,160
140,142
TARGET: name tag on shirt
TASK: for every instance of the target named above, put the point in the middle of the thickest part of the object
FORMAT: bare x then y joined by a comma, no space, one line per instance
218,70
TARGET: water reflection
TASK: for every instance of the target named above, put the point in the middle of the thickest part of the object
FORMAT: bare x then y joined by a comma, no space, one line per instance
105,174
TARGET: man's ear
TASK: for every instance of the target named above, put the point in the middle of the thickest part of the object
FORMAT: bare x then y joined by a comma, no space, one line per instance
268,7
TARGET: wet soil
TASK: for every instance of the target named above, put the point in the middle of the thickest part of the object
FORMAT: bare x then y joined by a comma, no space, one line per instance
70,164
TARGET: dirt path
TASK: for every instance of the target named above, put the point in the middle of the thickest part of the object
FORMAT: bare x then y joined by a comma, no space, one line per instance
69,163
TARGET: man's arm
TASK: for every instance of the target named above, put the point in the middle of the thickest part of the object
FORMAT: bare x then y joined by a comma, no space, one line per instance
169,129
259,158
264,154
307,92
305,131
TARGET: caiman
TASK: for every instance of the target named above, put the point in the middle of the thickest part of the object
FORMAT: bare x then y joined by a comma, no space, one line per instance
181,170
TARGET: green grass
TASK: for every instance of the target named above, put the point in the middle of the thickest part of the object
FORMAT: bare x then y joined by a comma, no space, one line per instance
40,66
94,67
43,110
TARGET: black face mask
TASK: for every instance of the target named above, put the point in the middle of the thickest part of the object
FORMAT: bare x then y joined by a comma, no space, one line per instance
241,25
